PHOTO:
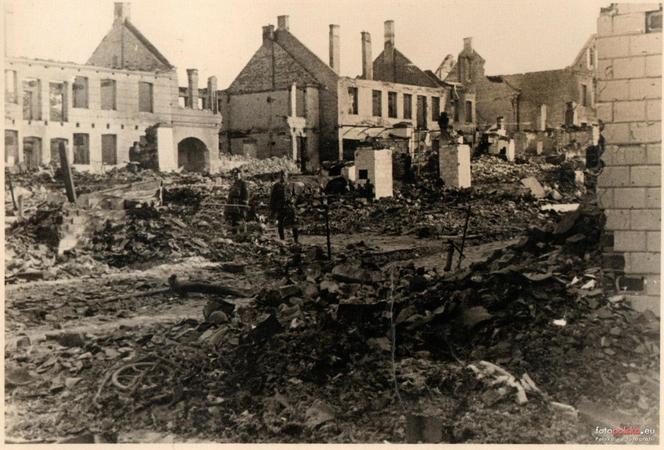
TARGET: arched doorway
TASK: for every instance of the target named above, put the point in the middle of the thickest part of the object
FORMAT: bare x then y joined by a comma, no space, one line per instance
193,155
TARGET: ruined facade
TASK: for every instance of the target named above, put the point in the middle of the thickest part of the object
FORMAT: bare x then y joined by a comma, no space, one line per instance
528,101
629,97
287,101
101,109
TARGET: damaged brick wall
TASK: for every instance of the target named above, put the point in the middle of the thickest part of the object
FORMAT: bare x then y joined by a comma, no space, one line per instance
629,104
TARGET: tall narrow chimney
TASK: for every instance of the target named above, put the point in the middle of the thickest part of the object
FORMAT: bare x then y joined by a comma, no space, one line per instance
468,44
192,88
268,32
212,94
389,33
282,23
121,11
367,62
335,53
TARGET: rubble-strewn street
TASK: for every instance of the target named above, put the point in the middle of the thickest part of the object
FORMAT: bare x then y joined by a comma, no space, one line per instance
521,341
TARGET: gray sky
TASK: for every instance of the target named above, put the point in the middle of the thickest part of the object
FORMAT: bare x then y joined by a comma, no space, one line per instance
219,36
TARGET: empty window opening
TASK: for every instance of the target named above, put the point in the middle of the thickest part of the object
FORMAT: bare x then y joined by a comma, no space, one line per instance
407,106
145,96
392,104
80,88
31,99
108,94
352,101
10,87
435,108
81,148
109,149
377,103
11,147
469,111
57,102
363,174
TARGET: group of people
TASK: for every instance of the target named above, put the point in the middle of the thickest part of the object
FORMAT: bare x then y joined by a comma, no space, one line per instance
282,205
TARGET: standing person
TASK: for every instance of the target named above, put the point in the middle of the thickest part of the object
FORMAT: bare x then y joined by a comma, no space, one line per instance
282,206
238,202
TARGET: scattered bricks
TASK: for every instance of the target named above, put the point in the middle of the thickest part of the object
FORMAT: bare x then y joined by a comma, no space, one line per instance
654,240
642,44
629,241
616,133
646,175
652,285
653,198
629,111
646,219
642,88
614,176
645,132
634,67
604,25
605,198
629,23
613,261
613,47
617,219
647,263
627,198
608,91
645,302
633,284
654,154
654,110
605,112
654,66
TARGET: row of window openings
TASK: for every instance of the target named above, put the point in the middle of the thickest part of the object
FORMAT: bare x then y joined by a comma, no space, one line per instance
32,149
58,92
377,106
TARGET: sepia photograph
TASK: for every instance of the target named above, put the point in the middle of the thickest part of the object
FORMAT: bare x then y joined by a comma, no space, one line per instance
332,222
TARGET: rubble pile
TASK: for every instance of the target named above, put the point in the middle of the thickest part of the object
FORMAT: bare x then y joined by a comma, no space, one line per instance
253,166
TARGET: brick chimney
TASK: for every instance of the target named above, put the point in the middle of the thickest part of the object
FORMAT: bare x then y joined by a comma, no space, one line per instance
282,23
268,32
389,33
468,44
212,94
335,53
367,62
192,88
121,12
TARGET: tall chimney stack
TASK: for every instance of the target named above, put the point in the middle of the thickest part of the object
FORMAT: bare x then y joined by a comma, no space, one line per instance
121,11
282,23
367,62
212,94
335,53
468,44
192,89
389,33
268,32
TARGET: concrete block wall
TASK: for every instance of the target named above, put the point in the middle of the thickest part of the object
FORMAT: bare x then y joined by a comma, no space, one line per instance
629,85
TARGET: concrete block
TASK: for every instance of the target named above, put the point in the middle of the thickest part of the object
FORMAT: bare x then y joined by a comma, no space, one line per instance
627,198
654,240
455,165
378,167
617,219
654,154
654,110
646,44
645,303
645,219
644,262
629,241
605,198
629,23
634,67
613,47
605,112
608,91
604,25
614,177
629,111
654,66
645,132
613,261
616,133
645,88
653,198
633,154
652,285
613,155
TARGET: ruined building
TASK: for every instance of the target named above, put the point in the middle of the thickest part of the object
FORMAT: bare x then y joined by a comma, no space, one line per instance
527,101
287,101
101,109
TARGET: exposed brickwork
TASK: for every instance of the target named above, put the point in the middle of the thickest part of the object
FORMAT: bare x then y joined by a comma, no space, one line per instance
629,103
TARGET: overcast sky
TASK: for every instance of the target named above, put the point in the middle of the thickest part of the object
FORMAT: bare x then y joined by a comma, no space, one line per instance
219,36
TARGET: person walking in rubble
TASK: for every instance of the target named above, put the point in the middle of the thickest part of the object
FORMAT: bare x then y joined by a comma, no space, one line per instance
238,202
282,206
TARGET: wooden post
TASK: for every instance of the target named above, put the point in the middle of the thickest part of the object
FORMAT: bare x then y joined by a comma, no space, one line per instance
463,239
66,173
327,228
